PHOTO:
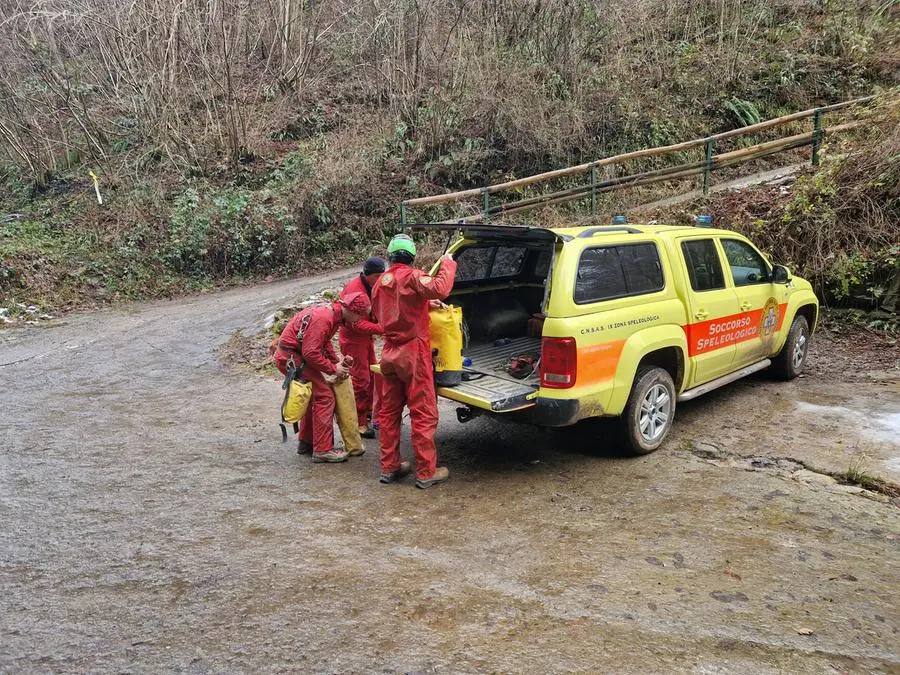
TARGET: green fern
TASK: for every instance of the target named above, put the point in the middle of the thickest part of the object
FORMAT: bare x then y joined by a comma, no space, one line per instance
743,112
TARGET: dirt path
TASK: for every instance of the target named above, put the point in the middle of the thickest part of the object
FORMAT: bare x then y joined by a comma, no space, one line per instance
770,176
150,521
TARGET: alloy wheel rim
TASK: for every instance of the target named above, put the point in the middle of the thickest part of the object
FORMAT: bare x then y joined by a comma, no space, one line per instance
656,410
799,353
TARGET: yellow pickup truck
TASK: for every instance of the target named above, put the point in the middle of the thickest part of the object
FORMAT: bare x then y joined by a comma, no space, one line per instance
617,321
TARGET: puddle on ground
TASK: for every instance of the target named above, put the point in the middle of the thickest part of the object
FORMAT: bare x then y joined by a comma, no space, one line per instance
878,426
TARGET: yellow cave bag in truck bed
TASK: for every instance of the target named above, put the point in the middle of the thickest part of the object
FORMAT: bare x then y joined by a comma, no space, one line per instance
447,342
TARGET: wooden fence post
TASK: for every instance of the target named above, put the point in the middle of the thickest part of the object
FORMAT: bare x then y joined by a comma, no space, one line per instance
486,204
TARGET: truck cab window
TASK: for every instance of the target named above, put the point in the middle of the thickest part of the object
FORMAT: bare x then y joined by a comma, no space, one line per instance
542,264
703,265
747,266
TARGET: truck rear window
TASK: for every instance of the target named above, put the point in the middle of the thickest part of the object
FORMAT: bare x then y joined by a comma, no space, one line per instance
489,262
608,272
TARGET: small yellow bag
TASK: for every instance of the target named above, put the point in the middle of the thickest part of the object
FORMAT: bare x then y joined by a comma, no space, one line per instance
296,401
345,411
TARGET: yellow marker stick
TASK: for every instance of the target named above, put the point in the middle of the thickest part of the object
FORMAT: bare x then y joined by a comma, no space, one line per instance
96,187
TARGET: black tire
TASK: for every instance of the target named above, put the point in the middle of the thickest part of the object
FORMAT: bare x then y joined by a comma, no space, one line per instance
649,384
789,362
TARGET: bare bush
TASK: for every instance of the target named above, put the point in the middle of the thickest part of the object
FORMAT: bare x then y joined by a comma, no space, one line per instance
169,79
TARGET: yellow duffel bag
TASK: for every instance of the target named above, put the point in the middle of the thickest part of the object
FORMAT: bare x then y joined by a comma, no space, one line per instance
447,340
347,419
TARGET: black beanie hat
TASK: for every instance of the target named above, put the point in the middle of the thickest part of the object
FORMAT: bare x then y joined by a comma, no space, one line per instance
374,266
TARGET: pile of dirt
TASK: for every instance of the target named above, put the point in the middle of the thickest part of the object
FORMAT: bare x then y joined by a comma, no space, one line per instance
253,351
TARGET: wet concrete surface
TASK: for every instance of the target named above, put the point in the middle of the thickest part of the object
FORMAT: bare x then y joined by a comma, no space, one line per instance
151,520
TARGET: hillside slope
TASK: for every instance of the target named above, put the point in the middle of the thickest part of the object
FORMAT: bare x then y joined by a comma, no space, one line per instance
236,140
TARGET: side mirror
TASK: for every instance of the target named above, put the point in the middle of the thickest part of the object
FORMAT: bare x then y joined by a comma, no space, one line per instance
780,275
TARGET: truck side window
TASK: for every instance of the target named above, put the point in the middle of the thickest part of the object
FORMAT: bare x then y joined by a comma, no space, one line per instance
703,264
542,265
608,272
643,271
747,266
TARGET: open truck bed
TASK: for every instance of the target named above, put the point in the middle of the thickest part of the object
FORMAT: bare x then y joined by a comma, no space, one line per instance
487,385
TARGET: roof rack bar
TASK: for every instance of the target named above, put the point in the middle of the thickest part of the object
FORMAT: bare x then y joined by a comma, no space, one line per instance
617,228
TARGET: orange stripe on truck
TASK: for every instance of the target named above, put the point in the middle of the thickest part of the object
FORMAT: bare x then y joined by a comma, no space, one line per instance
597,363
726,331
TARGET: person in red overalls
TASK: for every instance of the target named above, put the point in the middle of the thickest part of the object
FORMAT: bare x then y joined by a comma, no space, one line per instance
356,341
307,337
401,300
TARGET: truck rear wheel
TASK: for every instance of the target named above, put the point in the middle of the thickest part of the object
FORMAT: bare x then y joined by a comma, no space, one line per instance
648,415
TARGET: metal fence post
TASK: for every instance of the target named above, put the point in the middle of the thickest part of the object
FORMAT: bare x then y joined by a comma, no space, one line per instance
403,214
486,204
708,170
594,189
817,136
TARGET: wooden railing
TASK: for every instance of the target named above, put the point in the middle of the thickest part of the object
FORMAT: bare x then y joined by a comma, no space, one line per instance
710,163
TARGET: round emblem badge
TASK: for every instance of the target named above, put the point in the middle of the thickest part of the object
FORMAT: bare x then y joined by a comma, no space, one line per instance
769,319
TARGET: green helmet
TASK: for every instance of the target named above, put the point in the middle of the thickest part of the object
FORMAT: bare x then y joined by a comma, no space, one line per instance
402,242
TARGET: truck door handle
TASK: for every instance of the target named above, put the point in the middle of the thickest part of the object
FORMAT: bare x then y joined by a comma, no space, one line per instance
745,306
701,314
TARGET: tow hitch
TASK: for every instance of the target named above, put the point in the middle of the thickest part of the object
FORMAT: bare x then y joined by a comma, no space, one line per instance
467,414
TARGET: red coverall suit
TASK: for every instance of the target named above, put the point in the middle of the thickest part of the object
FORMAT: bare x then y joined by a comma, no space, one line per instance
400,301
319,357
356,341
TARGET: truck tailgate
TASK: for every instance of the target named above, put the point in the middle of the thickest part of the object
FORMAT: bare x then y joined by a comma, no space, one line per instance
488,386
